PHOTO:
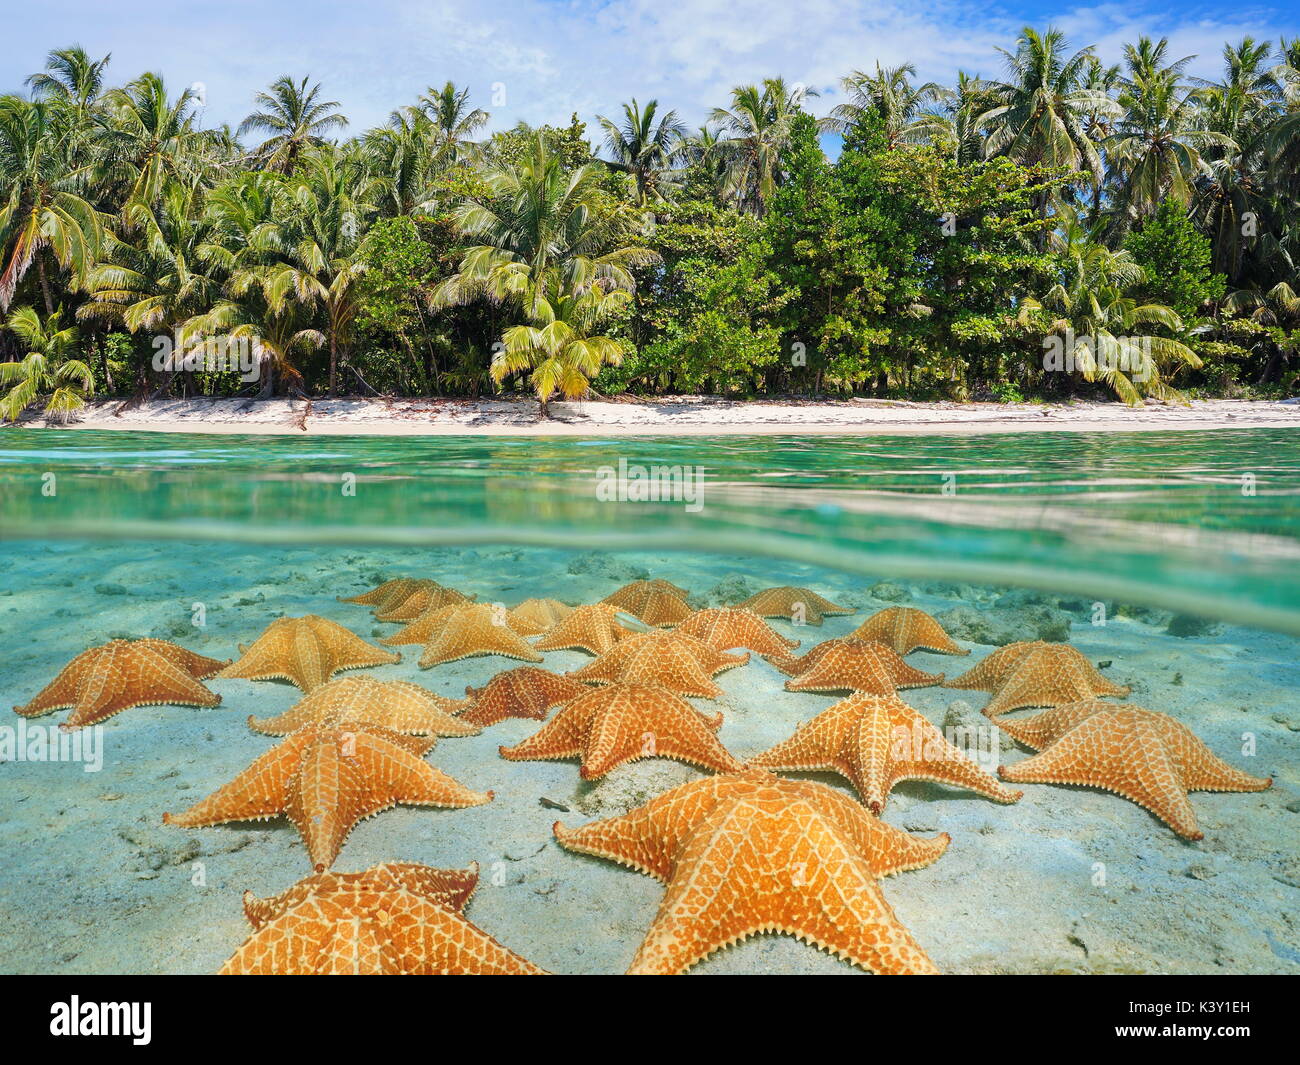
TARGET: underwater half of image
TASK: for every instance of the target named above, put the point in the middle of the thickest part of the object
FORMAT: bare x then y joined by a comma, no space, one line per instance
1012,705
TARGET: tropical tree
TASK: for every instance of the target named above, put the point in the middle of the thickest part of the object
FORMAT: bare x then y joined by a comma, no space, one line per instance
41,208
45,370
753,133
452,121
643,147
295,118
890,95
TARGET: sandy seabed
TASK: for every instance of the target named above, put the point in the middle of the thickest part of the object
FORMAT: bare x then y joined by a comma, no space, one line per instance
1066,880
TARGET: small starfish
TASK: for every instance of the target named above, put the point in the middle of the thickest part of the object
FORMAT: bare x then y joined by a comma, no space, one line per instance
305,651
397,704
904,628
747,853
429,595
654,602
397,919
877,741
325,780
524,692
723,628
476,629
593,628
1034,673
120,674
682,664
797,605
536,617
1147,757
385,594
851,664
620,723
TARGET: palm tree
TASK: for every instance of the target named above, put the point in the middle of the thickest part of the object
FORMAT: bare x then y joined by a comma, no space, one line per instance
890,95
71,78
756,129
40,205
295,117
1042,111
642,147
956,128
453,121
1112,341
555,248
404,161
45,370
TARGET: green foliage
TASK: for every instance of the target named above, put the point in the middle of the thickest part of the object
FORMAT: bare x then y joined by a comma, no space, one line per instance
1176,261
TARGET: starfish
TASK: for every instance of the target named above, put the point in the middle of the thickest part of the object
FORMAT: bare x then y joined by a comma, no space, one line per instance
396,919
120,674
305,651
681,664
798,605
1147,757
428,595
851,664
391,594
877,741
723,628
620,723
535,617
593,628
523,692
325,780
465,630
424,628
1034,673
748,852
904,628
654,602
397,704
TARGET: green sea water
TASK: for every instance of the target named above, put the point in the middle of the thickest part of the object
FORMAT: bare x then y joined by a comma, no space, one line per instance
1205,523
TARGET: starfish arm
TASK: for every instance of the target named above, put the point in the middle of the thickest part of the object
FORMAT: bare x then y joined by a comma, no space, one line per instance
198,666
815,744
943,763
260,791
157,681
562,737
61,692
886,850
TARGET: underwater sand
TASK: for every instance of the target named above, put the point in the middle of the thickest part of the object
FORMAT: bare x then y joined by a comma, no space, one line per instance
91,881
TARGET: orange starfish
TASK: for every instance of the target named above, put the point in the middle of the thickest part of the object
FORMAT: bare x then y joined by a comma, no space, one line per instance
620,723
723,628
534,617
851,664
593,628
797,605
120,674
524,692
325,780
1147,757
474,630
385,594
1034,673
424,628
654,602
396,704
747,853
876,741
305,651
904,628
682,664
393,919
427,595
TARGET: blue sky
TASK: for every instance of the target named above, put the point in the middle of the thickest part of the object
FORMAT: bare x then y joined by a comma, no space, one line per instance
552,57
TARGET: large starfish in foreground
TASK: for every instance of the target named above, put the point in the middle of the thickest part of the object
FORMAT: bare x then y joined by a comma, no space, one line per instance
620,723
396,704
120,674
682,664
747,853
797,605
655,602
523,692
723,628
905,629
595,628
1145,756
877,741
394,919
305,651
1034,673
325,780
851,664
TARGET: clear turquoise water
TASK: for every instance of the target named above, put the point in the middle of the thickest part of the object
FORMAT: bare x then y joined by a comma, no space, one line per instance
1197,522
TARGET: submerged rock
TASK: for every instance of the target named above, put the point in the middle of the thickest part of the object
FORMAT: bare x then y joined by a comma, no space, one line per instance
1001,625
889,591
1190,625
599,564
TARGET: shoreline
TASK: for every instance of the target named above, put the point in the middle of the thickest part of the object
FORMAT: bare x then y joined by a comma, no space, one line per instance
685,416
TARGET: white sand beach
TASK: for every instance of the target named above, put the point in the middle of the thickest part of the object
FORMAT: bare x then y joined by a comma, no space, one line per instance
679,416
